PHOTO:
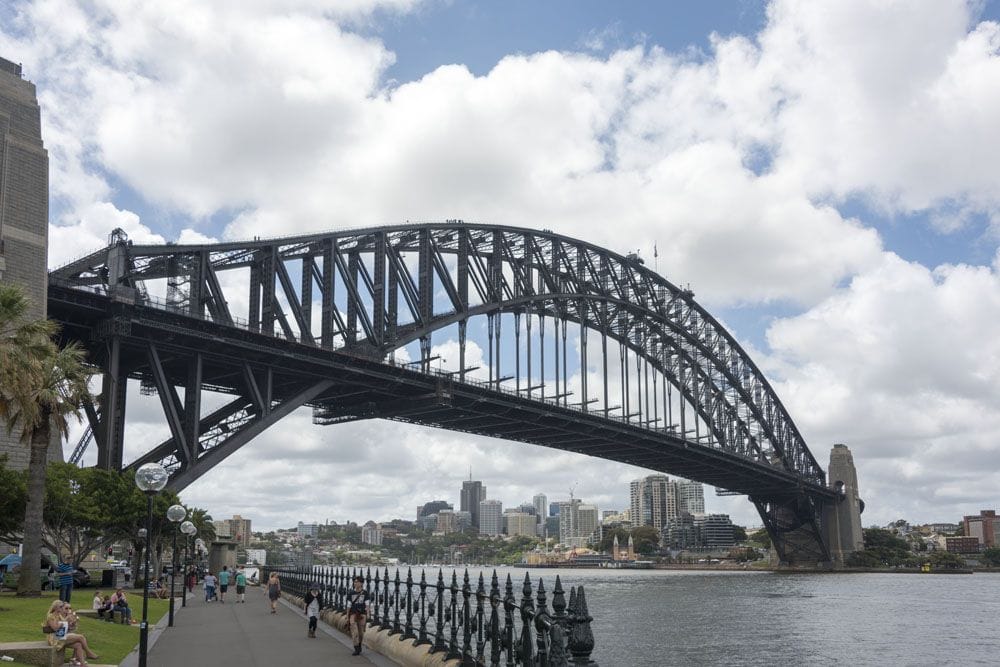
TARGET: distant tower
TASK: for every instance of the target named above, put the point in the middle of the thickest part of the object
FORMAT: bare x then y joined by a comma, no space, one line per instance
473,493
24,212
631,548
842,517
615,550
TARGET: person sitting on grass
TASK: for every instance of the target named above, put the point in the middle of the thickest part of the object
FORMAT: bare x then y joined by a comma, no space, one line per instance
59,626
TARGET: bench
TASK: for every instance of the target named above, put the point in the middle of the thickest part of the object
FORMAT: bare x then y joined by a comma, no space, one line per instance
34,653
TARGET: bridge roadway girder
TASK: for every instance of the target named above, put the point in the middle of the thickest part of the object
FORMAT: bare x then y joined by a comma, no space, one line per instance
289,374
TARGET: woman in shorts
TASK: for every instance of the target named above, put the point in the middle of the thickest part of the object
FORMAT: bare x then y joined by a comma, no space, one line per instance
273,591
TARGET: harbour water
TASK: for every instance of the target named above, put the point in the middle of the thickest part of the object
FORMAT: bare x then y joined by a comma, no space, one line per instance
657,618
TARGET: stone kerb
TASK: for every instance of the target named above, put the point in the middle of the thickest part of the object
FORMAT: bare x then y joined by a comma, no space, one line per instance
403,652
34,653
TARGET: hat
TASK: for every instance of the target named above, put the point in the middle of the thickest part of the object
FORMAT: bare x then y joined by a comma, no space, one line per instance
314,586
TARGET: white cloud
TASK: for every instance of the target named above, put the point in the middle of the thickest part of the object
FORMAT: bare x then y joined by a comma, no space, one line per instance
733,162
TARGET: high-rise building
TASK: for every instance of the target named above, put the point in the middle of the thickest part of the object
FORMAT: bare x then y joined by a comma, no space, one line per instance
473,493
490,517
577,522
446,522
306,530
653,501
237,529
690,497
983,527
371,533
24,214
541,504
520,523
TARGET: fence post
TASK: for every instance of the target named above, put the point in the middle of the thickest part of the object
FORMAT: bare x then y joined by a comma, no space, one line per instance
496,641
480,644
508,621
385,600
439,644
395,604
422,636
368,593
543,624
408,629
526,648
453,618
466,618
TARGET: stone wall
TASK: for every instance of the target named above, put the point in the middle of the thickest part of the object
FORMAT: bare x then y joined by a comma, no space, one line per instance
24,210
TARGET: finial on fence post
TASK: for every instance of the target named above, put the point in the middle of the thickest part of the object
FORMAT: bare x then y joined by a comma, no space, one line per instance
581,637
543,625
385,600
508,621
453,650
466,617
496,640
408,628
480,644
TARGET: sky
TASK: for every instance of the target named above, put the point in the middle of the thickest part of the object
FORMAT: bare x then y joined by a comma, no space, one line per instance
822,173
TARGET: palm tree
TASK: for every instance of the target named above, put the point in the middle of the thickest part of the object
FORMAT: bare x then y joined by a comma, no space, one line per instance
42,385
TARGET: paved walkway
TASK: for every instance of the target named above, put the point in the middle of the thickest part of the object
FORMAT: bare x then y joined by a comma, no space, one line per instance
227,634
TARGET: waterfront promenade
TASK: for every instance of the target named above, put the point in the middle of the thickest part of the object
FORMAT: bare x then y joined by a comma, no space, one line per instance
230,634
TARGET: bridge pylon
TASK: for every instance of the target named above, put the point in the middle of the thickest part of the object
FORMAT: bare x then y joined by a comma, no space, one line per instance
842,517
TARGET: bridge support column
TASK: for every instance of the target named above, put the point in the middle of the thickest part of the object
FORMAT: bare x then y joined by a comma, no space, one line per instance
111,435
842,517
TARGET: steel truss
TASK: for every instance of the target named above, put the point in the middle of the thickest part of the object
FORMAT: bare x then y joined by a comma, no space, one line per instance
663,366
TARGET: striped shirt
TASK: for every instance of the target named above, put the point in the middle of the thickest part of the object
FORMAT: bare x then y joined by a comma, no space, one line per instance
65,571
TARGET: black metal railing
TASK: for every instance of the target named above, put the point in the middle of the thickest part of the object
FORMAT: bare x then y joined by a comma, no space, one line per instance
478,626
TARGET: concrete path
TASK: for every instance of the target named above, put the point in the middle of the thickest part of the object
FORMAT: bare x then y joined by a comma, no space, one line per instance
230,634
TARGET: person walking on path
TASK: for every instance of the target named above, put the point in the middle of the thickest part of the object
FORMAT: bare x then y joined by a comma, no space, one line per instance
223,583
192,578
314,603
273,591
65,571
357,614
241,586
209,584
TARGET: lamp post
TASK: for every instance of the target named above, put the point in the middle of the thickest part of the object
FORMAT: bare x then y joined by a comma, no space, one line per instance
176,514
188,529
150,478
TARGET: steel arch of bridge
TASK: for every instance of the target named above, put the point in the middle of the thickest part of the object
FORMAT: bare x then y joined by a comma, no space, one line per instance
362,294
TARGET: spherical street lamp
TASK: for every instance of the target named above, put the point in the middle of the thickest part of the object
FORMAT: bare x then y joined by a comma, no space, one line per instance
176,514
150,478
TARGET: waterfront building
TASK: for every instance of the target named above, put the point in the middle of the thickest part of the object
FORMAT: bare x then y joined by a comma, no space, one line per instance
371,533
683,533
473,493
490,517
690,497
304,530
617,553
541,503
716,530
963,545
520,523
983,527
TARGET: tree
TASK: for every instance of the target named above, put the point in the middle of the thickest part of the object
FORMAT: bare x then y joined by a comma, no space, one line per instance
739,534
608,541
991,557
761,539
41,386
646,540
13,495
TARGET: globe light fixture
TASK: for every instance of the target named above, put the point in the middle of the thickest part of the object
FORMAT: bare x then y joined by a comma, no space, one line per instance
176,514
188,528
150,478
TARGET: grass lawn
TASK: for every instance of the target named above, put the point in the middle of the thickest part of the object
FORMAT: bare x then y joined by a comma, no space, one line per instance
21,621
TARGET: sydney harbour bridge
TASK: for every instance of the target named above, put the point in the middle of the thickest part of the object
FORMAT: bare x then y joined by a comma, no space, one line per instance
552,341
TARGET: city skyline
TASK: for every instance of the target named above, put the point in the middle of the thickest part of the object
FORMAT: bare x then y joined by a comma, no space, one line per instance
835,208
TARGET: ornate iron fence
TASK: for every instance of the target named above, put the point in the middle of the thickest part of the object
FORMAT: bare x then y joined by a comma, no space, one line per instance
478,626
